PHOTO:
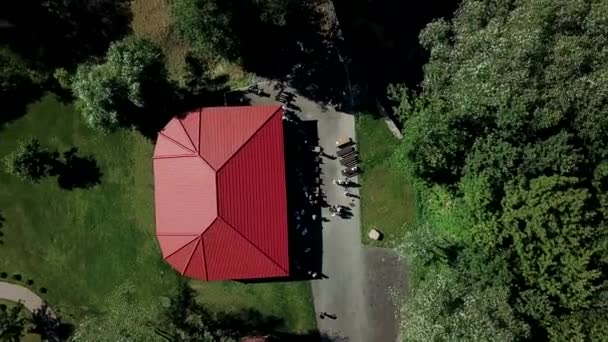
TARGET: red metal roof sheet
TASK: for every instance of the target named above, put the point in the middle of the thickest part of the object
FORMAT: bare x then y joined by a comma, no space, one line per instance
230,256
180,258
176,132
191,123
186,198
240,168
165,147
243,196
226,129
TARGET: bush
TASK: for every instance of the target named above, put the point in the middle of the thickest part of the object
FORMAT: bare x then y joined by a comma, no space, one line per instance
3,275
17,277
43,290
63,77
30,282
29,161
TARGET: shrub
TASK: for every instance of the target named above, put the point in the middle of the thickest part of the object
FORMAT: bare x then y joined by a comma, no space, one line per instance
3,275
17,277
29,161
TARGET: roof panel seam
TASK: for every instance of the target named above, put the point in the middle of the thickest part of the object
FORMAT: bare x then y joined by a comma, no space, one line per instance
188,135
249,139
205,256
179,249
254,245
180,145
177,156
191,254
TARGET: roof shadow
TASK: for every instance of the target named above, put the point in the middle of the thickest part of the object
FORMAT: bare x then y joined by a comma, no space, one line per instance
304,202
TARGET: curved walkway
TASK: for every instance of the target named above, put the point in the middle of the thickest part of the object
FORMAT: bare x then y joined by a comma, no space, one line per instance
17,293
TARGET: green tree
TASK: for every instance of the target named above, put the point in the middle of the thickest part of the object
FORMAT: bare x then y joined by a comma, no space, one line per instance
511,120
12,324
205,26
30,161
122,90
559,248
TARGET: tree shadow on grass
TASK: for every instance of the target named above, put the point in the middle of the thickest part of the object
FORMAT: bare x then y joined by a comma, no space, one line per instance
76,172
54,34
297,41
187,317
2,219
49,326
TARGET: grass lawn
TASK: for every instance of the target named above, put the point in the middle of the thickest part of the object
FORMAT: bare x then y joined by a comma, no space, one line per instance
388,199
152,19
84,244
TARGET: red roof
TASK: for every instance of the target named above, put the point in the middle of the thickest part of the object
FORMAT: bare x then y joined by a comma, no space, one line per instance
221,202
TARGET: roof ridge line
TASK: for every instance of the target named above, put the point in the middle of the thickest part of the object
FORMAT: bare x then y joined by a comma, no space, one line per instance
205,254
251,137
177,156
188,135
192,254
253,244
179,249
175,141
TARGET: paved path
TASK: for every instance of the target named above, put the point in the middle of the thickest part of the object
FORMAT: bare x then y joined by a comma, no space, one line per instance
18,293
356,287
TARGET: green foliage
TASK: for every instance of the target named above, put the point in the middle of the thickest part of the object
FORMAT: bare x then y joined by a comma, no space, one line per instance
118,91
63,77
559,249
205,27
465,302
12,324
510,130
14,74
29,161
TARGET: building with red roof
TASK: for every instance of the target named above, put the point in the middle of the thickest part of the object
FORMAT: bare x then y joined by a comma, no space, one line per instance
220,193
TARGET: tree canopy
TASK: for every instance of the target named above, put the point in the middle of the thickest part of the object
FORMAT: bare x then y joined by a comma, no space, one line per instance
116,92
511,120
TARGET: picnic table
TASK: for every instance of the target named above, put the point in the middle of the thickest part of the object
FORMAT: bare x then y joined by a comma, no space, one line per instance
345,151
350,160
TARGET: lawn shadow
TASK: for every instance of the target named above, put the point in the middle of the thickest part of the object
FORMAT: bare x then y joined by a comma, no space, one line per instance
186,316
49,326
15,102
2,220
301,47
51,34
75,172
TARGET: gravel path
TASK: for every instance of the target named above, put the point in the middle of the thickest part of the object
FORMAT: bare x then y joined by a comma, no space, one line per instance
18,293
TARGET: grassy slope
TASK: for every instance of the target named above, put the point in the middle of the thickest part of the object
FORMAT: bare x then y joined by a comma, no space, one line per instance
388,200
82,244
152,19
